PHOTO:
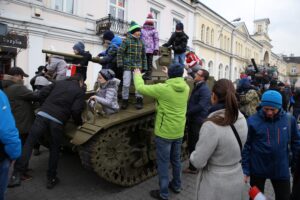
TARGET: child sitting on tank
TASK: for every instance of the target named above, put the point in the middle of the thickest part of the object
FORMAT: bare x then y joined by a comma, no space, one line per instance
107,94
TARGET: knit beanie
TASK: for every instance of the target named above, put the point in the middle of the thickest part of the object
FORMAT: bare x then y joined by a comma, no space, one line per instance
179,26
271,98
134,27
175,70
107,74
108,35
150,20
79,46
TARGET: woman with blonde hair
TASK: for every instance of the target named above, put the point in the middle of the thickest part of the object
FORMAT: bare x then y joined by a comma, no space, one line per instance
218,151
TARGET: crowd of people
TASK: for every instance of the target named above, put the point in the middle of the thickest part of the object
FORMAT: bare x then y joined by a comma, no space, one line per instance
235,137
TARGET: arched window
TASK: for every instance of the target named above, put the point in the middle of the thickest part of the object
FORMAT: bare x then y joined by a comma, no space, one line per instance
235,74
203,62
220,73
212,37
227,72
210,68
228,44
202,32
207,35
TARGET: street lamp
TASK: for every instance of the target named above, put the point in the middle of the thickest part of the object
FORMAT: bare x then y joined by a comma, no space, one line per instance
235,20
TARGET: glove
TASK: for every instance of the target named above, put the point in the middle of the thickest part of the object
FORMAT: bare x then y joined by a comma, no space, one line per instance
155,52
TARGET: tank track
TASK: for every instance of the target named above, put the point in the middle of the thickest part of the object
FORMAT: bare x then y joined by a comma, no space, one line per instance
123,154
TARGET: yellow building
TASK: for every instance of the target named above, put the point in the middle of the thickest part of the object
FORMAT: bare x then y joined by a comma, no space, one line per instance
227,47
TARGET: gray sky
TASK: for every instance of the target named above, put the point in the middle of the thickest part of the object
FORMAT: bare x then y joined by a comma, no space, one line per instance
284,15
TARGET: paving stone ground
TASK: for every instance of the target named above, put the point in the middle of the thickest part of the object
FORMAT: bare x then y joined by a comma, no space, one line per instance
78,183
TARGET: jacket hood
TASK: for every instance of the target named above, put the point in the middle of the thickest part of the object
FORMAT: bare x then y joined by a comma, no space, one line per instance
221,112
180,34
9,80
278,116
113,83
116,41
178,84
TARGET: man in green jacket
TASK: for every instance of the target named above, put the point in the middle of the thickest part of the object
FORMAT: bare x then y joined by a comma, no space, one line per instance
172,97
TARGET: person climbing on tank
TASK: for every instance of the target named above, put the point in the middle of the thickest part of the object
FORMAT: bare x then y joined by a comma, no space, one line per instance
150,38
131,55
108,58
107,94
79,49
193,62
178,41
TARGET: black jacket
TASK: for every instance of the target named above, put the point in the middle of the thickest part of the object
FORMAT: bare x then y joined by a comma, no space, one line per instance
199,103
65,99
178,41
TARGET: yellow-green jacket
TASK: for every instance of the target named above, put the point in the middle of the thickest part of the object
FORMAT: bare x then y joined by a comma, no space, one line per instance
172,97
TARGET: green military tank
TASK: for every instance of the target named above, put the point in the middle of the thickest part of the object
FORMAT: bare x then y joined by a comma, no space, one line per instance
120,147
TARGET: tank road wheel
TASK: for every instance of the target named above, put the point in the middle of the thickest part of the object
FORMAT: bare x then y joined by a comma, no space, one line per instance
116,154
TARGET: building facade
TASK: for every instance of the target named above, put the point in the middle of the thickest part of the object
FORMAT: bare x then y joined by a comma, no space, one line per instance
225,47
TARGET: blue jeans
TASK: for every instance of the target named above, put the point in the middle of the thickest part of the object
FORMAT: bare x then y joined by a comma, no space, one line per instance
4,168
168,150
180,58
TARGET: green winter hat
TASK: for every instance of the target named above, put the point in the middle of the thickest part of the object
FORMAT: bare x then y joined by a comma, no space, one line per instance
133,26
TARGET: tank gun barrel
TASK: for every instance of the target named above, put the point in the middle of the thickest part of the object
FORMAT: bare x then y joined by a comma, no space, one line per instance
69,55
254,64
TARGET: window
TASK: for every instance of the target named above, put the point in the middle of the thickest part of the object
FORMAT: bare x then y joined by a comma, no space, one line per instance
64,6
155,15
259,28
293,70
221,41
212,38
207,35
227,72
175,21
202,32
225,41
117,9
220,75
210,68
228,44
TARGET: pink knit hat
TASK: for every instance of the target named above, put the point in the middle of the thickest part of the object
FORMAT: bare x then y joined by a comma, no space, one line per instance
150,20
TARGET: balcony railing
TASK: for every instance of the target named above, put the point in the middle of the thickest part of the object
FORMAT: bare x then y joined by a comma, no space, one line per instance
117,26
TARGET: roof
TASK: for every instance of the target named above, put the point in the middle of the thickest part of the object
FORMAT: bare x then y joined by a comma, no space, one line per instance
264,19
292,59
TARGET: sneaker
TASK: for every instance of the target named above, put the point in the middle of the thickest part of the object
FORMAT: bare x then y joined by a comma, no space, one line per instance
173,189
156,195
52,182
139,103
15,180
26,177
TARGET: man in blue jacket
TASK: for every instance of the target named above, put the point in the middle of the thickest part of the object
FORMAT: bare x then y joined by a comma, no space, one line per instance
266,152
10,144
197,111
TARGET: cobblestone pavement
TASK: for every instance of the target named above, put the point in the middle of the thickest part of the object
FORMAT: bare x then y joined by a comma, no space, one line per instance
80,184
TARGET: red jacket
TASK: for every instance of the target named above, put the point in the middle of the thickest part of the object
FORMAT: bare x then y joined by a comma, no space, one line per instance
192,59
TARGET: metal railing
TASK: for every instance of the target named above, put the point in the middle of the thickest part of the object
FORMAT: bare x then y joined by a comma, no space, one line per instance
117,26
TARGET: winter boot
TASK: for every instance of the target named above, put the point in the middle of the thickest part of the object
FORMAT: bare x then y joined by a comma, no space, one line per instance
139,103
124,104
15,180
